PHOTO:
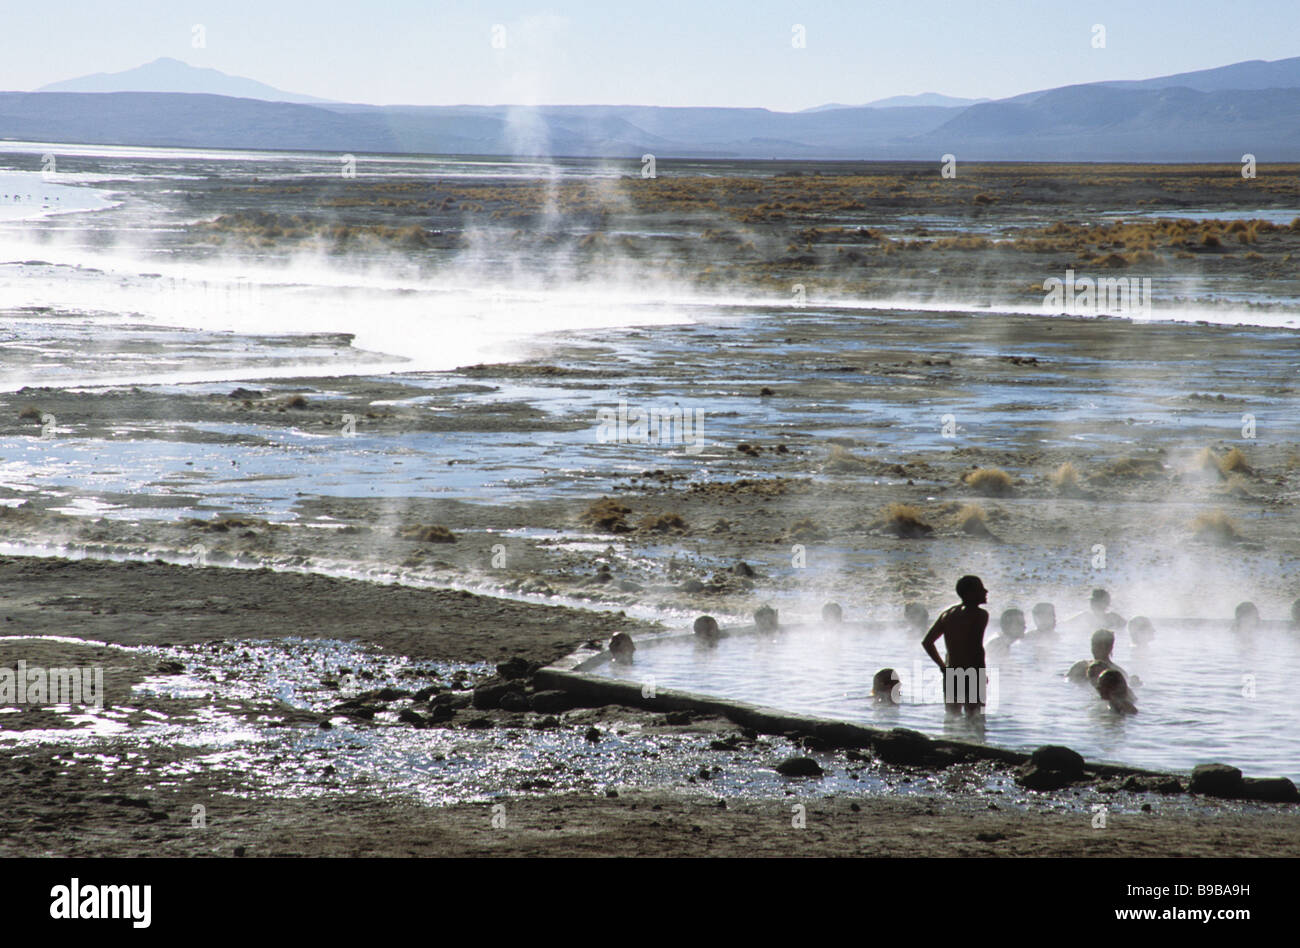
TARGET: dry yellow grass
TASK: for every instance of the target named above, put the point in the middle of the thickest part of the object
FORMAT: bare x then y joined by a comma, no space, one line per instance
1065,477
991,481
905,520
1215,526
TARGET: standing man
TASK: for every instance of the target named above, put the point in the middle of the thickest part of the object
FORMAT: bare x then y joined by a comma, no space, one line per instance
962,629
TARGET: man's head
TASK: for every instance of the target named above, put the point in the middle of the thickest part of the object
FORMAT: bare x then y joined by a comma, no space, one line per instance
1044,617
706,627
832,614
1141,629
1013,623
1100,600
1111,684
621,647
1103,643
971,591
883,684
1247,617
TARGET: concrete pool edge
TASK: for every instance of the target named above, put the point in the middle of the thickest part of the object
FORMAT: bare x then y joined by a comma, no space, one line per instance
570,674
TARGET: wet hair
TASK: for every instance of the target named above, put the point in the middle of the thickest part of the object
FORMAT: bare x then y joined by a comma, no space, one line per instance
765,618
706,627
882,685
621,646
916,614
1095,670
1041,612
1141,629
1103,639
1100,597
1012,617
969,586
831,612
1111,683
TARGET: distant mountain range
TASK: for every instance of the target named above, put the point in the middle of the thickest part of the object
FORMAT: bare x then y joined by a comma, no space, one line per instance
1210,115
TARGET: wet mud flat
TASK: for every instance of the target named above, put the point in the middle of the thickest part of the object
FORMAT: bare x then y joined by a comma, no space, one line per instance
235,732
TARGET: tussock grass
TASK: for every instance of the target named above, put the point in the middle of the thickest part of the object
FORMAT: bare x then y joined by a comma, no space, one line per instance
30,413
990,481
663,523
607,514
1215,526
427,533
1065,478
905,520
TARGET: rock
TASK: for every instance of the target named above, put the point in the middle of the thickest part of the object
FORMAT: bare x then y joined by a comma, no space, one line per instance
678,718
1270,790
548,702
743,569
901,745
691,586
386,694
1040,778
1158,784
1056,757
1216,780
439,713
592,735
514,701
460,701
799,767
813,743
516,668
171,668
488,695
547,723
424,694
478,724
407,716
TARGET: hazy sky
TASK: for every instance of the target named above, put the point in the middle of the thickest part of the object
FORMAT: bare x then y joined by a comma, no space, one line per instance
656,52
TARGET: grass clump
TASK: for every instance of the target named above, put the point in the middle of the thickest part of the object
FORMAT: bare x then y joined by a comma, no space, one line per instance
1216,527
30,413
991,481
1065,478
608,515
427,533
972,519
905,521
663,523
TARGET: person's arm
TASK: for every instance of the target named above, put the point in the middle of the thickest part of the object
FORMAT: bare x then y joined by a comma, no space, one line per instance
931,637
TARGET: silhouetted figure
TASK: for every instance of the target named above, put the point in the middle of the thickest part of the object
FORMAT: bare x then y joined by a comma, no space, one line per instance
1013,630
1103,643
884,685
1142,631
916,616
1044,614
622,648
1099,606
962,629
1114,691
1246,619
707,631
765,619
832,614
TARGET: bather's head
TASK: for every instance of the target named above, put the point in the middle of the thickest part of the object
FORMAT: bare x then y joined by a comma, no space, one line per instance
1103,643
1013,624
1247,617
1111,685
883,687
706,629
622,648
971,591
1141,630
917,616
1044,614
1100,601
832,614
765,619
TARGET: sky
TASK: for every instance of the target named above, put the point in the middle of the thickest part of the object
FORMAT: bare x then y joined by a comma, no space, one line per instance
653,52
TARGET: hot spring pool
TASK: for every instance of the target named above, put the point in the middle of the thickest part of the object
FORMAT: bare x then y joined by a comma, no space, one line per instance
1205,693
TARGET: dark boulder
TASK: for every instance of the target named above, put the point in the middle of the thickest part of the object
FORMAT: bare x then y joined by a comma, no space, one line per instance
514,701
903,746
426,693
799,767
1039,778
516,668
489,693
1270,790
439,713
407,716
1058,758
550,702
1216,780
1161,783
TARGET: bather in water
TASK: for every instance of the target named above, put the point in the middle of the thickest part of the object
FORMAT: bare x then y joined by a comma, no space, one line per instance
885,687
1141,631
1114,690
1103,643
1013,630
707,631
917,617
1246,619
1044,614
832,614
622,648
